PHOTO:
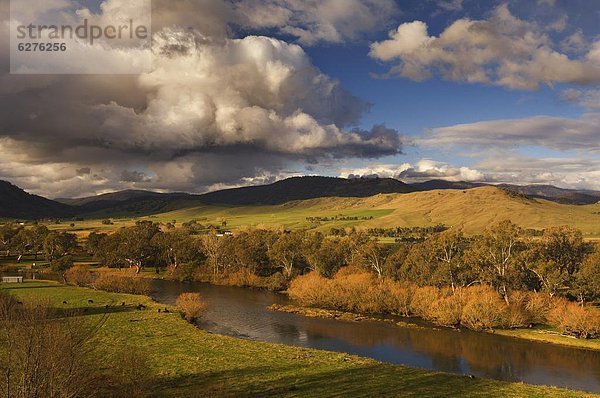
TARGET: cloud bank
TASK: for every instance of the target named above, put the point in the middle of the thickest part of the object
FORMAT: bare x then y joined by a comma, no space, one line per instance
214,111
502,50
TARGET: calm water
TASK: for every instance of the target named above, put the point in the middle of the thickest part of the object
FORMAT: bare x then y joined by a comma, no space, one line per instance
243,313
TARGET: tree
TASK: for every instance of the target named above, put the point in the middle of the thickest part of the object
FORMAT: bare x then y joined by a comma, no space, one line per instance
448,248
250,250
587,279
214,248
353,241
395,262
177,246
286,253
59,244
29,240
326,257
557,258
94,243
135,244
420,265
496,253
373,256
8,234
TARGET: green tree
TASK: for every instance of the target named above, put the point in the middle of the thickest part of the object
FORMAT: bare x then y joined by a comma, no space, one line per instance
59,244
496,253
215,249
587,279
287,252
135,244
449,247
373,256
177,247
8,234
327,257
250,250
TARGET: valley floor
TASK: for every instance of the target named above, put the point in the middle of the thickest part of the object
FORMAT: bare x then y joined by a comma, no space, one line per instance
185,361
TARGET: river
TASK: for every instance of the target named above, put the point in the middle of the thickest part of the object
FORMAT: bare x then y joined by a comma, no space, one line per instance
243,313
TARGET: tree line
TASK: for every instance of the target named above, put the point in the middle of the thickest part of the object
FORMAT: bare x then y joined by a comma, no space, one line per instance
559,262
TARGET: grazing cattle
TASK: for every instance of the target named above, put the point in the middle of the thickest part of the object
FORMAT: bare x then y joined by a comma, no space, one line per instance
65,303
90,301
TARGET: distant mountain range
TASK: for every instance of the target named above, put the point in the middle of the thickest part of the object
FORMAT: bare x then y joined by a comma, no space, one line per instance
301,188
16,203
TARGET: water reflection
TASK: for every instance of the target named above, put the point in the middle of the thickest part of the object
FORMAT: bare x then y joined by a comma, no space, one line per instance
243,313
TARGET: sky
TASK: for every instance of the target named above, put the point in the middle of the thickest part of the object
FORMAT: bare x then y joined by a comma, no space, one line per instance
252,91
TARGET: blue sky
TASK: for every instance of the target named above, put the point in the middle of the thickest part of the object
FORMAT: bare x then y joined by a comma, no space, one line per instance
412,107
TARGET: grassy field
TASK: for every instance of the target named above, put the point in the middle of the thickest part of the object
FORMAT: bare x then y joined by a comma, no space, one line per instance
472,210
187,362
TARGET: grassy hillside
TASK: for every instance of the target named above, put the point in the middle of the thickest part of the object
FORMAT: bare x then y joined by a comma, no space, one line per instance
185,362
473,210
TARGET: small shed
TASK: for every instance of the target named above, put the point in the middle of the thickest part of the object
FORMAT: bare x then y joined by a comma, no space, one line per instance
12,279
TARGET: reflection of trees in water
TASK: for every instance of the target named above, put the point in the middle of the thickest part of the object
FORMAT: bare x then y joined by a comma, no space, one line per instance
484,354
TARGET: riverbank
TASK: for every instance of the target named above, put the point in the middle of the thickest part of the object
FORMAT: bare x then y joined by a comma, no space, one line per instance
542,334
539,334
338,315
185,361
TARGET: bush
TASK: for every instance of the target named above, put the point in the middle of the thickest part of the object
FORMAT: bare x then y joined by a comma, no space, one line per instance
517,314
538,306
79,276
575,320
108,281
122,284
399,299
484,310
447,310
191,306
310,290
423,300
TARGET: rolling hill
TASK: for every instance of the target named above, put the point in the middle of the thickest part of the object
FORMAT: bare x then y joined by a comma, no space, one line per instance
289,202
471,210
16,203
301,188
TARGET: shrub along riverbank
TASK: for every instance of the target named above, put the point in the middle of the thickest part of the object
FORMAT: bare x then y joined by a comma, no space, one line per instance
479,308
182,361
361,295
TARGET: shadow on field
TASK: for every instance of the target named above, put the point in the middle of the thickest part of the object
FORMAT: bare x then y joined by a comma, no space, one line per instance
81,311
363,381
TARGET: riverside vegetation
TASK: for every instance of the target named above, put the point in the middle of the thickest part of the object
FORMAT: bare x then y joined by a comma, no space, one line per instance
503,278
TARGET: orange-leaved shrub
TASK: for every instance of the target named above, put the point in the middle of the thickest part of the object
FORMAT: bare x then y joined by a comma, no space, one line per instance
573,319
474,307
122,284
191,306
484,309
108,280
